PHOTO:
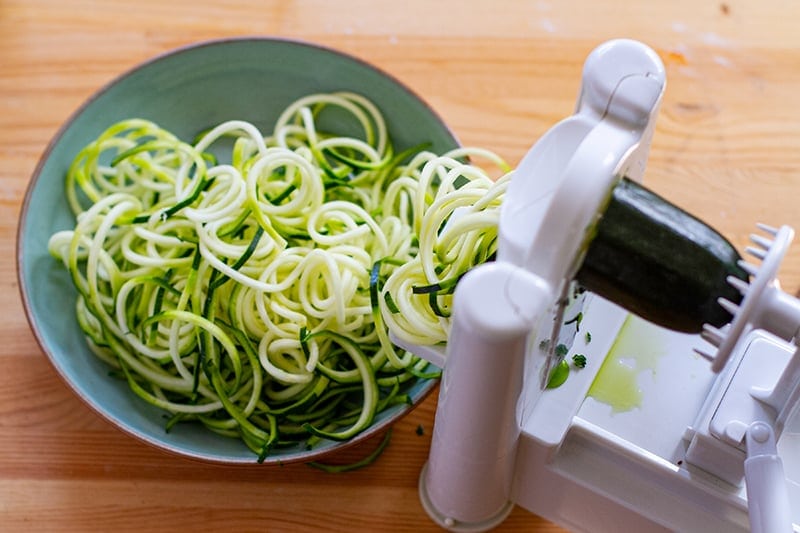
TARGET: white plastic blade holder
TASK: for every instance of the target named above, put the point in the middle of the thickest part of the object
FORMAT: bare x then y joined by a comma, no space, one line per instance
553,201
561,185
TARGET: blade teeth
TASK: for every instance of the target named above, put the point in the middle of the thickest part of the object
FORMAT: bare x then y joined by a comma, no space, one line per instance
705,355
756,252
767,229
762,246
712,335
739,284
762,242
728,305
748,267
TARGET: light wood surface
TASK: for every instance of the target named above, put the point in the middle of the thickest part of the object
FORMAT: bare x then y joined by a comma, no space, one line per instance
727,148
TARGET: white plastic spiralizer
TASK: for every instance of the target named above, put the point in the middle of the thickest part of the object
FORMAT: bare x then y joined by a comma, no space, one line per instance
665,428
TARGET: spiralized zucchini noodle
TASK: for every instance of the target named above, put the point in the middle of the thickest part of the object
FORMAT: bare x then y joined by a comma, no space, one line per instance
249,281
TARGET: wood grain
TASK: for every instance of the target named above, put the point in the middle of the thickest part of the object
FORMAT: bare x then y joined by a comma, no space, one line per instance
500,72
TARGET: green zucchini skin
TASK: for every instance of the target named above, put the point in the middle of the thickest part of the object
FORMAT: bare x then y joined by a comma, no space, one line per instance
659,262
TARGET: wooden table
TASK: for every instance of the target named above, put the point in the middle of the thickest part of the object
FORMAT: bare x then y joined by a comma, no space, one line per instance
501,72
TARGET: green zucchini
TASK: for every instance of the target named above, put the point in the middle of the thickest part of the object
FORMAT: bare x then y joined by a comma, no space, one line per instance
659,262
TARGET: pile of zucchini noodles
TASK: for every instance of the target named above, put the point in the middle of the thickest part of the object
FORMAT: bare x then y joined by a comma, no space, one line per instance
253,291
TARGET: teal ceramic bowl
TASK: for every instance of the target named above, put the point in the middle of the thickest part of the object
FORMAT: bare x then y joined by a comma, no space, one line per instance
186,91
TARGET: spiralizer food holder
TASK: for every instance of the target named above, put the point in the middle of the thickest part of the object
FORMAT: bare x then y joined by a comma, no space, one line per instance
703,433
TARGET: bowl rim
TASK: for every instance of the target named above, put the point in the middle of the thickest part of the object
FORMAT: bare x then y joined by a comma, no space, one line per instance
374,429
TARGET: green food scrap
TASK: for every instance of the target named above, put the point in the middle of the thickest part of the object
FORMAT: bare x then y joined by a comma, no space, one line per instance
544,345
559,375
577,319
